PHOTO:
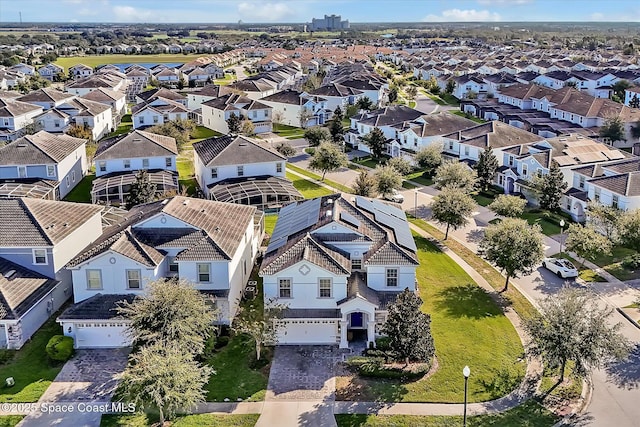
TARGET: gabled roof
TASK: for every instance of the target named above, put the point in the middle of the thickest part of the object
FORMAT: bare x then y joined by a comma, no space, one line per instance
494,134
136,144
389,254
45,95
336,90
98,307
150,95
41,148
29,222
102,95
391,115
20,289
84,107
13,108
234,150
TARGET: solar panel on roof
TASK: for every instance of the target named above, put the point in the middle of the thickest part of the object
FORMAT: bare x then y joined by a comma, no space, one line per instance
347,217
292,219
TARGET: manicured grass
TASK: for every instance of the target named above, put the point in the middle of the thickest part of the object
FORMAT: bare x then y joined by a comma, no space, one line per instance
618,253
307,188
468,327
201,133
270,223
444,99
185,168
317,177
125,126
287,131
529,414
211,420
470,117
420,178
81,193
96,60
549,222
407,185
10,420
30,367
228,79
412,104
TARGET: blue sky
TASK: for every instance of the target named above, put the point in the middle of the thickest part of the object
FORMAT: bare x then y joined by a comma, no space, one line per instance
211,11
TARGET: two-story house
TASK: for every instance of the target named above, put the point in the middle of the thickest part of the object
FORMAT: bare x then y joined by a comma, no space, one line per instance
119,159
15,116
115,99
294,106
46,98
50,71
337,265
216,112
93,115
37,239
79,71
157,112
211,244
42,165
337,95
240,170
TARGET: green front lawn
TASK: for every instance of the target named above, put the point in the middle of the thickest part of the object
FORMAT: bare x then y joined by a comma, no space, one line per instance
30,367
10,420
286,131
612,263
549,222
468,116
211,420
317,177
420,178
307,188
81,193
469,328
96,60
529,414
201,133
485,198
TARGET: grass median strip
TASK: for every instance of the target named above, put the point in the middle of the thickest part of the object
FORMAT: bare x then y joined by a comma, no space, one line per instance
312,175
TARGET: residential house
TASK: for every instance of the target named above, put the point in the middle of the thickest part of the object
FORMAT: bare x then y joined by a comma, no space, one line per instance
157,112
51,165
119,159
46,98
152,94
212,245
207,93
114,99
216,112
294,105
337,265
93,115
79,71
337,95
15,116
50,71
37,239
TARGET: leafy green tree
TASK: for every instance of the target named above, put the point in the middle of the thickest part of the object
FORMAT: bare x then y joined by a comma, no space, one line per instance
316,135
247,128
261,324
619,87
387,180
452,207
412,92
613,129
337,131
486,168
178,129
587,242
365,184
409,329
429,157
285,149
76,131
181,83
338,114
455,175
171,311
328,157
549,188
507,205
604,219
401,165
629,229
142,190
393,95
451,86
165,377
514,246
376,141
304,116
233,123
365,104
572,327
634,102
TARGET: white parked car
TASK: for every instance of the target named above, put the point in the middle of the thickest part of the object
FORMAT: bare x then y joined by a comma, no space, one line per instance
395,196
561,267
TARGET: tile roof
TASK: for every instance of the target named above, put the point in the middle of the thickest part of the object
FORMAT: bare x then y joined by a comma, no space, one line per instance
21,289
389,254
38,149
13,108
98,307
36,222
136,144
45,95
234,150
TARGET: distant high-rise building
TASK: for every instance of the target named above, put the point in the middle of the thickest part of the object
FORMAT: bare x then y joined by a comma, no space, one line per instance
329,23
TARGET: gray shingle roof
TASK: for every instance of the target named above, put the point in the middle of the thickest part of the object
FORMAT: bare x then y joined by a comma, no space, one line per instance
20,290
233,150
98,307
136,144
35,222
41,148
13,108
45,95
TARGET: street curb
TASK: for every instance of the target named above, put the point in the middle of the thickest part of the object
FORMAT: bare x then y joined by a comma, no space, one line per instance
585,401
626,316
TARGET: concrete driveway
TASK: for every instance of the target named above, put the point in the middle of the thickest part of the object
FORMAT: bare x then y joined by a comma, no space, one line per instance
91,377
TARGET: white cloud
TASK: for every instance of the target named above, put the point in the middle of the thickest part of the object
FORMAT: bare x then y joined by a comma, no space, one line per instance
466,15
132,14
503,2
597,16
265,12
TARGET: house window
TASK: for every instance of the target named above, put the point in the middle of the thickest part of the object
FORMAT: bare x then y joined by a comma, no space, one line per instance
155,119
40,256
466,151
168,162
102,166
94,279
67,180
581,182
278,167
56,123
615,202
525,169
392,277
22,171
240,170
51,170
141,120
214,172
450,145
596,195
73,176
173,265
325,288
356,264
284,288
133,279
145,163
204,273
127,164
510,160
254,114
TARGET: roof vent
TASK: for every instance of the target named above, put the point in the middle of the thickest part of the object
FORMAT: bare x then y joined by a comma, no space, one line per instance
165,201
203,211
21,145
9,274
329,201
217,229
185,203
329,214
137,140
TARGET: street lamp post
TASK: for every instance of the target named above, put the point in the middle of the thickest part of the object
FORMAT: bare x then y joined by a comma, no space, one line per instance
466,372
415,209
561,233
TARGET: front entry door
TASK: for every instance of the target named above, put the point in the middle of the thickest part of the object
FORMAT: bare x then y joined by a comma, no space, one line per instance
356,320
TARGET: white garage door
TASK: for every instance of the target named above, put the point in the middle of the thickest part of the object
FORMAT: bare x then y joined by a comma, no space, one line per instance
96,335
308,332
